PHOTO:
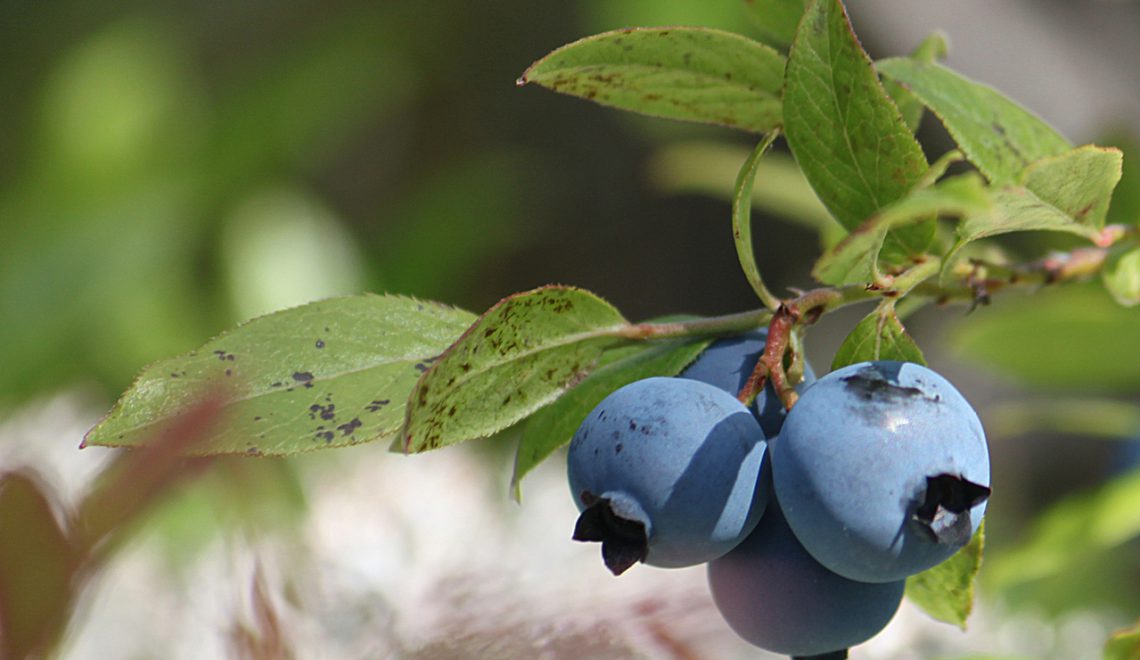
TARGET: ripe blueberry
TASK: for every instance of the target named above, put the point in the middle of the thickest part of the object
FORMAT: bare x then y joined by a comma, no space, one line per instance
882,470
727,363
667,471
774,595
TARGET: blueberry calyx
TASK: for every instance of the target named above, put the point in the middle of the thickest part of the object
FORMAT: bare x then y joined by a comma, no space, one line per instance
944,514
624,541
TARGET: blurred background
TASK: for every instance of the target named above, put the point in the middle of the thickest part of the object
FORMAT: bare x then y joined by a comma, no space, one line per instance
170,169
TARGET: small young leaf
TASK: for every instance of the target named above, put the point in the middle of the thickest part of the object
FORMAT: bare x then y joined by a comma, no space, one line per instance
998,136
879,336
1124,644
521,355
1089,341
946,592
326,374
855,259
1122,277
692,74
1078,183
934,47
845,132
554,425
775,19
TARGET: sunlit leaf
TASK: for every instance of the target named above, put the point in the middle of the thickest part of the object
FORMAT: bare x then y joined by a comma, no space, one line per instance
1078,183
855,258
521,355
332,373
1014,209
844,130
554,425
946,592
998,136
692,74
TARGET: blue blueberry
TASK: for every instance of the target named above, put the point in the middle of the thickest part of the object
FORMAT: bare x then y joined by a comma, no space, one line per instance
774,595
882,470
667,471
727,363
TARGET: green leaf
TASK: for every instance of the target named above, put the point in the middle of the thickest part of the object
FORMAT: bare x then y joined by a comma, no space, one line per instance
521,355
879,336
1072,533
775,19
946,592
326,374
844,130
1075,337
856,258
692,74
1078,183
1122,277
1124,644
1014,209
933,47
554,425
998,136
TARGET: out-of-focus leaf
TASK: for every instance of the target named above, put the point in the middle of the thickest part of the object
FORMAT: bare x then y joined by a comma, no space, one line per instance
998,136
1124,644
933,47
521,355
1072,337
1125,208
856,258
780,188
1071,533
946,592
845,132
554,425
1078,183
486,186
37,567
1121,277
283,248
332,373
775,19
691,74
879,336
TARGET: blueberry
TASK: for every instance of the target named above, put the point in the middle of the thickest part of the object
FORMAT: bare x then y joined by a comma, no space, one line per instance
882,470
727,363
667,471
774,595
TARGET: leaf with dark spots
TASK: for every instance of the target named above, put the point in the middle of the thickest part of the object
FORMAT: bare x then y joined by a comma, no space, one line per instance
541,352
371,346
691,74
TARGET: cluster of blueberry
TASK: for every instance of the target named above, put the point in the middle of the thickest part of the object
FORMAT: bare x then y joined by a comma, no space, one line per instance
809,520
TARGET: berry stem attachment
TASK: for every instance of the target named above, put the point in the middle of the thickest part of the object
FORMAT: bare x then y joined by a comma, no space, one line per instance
742,221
